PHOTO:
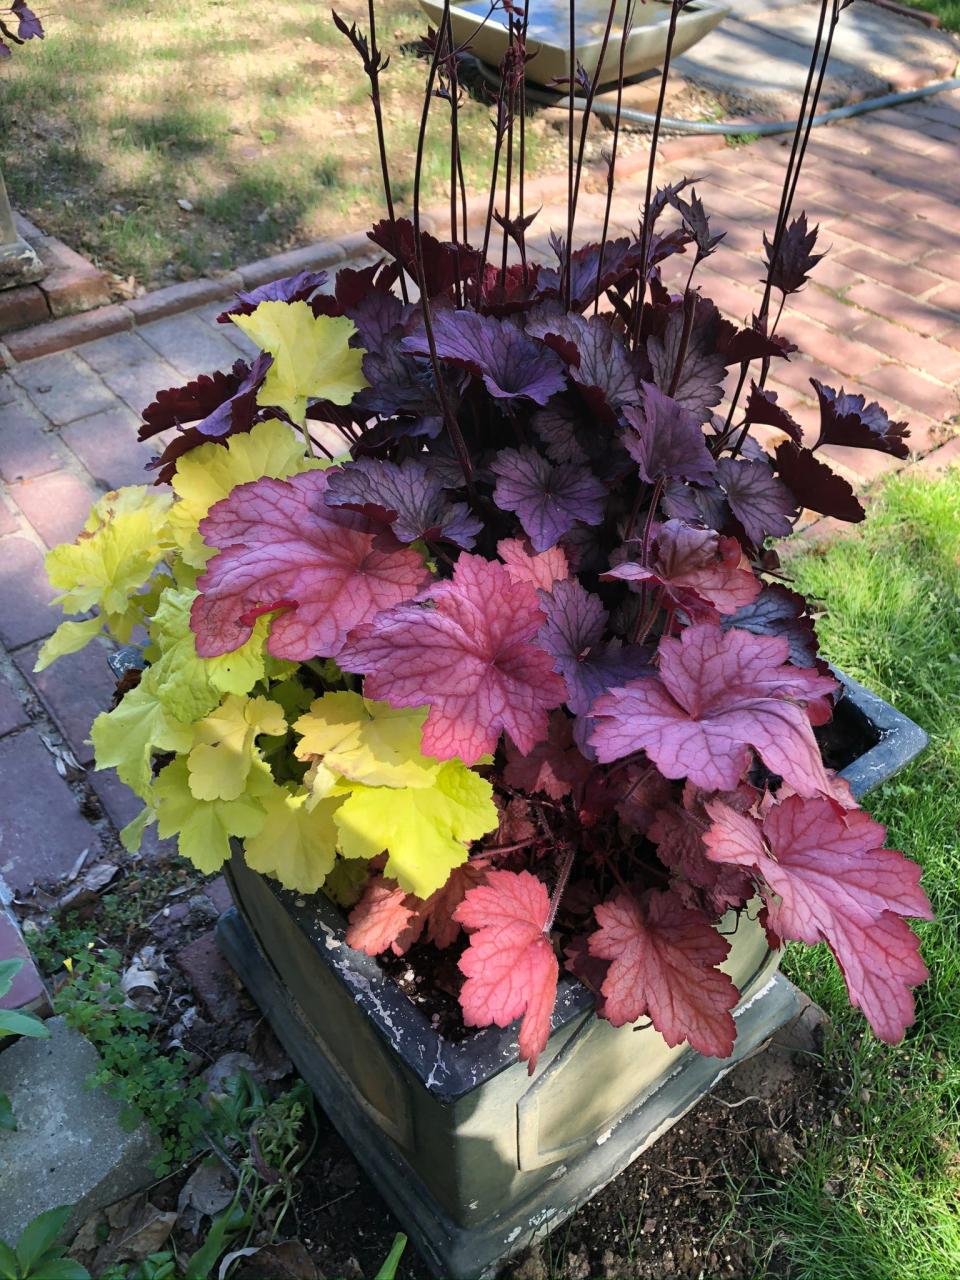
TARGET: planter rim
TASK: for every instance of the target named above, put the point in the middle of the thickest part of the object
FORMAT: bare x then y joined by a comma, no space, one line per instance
449,1069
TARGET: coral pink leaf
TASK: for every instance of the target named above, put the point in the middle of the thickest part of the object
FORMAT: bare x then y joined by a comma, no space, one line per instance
541,569
718,694
663,964
385,918
556,767
279,543
827,877
470,658
510,965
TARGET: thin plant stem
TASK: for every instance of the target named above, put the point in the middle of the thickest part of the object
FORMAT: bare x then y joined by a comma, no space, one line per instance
585,124
571,89
381,138
612,166
559,888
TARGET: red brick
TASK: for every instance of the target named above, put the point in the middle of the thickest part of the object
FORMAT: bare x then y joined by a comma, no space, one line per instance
323,253
25,594
22,307
908,277
213,981
71,283
944,264
219,894
900,308
64,387
56,505
9,523
12,712
59,335
107,445
850,359
177,298
44,831
948,455
27,991
75,689
914,391
911,348
947,298
817,304
26,450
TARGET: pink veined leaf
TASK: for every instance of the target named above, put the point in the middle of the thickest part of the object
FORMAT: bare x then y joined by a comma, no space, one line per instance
663,965
548,499
439,910
385,918
827,877
470,658
701,572
540,569
510,966
281,549
718,694
665,439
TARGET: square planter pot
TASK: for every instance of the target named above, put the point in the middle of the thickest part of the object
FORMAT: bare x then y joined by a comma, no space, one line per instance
474,1157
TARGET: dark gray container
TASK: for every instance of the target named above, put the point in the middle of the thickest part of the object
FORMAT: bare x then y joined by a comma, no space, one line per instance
475,1158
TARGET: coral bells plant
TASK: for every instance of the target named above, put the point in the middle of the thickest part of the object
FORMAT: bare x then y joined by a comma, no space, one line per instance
512,667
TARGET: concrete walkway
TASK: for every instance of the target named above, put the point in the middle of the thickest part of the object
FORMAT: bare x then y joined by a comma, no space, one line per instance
883,318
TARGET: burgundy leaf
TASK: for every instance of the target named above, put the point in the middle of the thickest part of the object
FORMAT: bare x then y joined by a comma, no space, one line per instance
196,401
548,499
621,260
384,918
555,766
778,611
470,658
697,223
763,410
297,288
827,877
407,496
663,964
815,486
665,439
761,503
677,831
795,259
718,694
510,965
511,364
505,295
443,263
739,345
282,550
849,420
573,634
607,374
700,572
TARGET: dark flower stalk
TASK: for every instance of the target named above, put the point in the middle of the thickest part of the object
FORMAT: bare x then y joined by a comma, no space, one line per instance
612,164
585,125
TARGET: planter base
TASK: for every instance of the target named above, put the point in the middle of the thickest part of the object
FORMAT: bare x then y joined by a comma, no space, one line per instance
452,1251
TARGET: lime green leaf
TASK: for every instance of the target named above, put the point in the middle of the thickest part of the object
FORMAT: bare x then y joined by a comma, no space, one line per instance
69,637
423,829
204,827
295,845
312,356
212,471
388,1269
126,738
131,836
223,750
123,540
187,685
8,971
370,742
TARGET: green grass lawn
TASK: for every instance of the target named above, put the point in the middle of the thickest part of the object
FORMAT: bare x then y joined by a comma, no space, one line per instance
948,11
879,1197
256,113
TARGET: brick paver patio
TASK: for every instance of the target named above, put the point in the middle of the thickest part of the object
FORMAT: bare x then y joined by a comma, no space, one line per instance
883,318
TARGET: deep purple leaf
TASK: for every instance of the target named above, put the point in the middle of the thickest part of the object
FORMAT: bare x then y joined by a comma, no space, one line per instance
606,372
408,496
443,263
763,410
697,223
29,26
665,439
700,387
621,260
548,499
814,485
296,288
849,420
794,261
512,365
760,502
778,611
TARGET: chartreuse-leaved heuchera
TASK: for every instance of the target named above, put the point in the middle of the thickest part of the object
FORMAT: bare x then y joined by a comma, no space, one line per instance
512,666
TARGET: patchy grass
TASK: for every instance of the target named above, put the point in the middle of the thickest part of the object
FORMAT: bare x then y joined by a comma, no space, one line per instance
255,113
948,11
878,1195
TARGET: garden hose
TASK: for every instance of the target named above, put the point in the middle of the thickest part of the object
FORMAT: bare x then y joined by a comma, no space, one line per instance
730,128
